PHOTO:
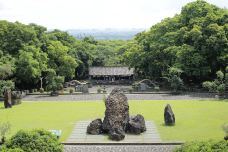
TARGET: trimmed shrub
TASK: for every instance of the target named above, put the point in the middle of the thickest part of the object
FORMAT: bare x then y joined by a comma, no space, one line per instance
5,149
204,146
71,91
41,90
36,141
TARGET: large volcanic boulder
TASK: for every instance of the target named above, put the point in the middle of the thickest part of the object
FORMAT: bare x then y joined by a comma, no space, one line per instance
116,115
95,127
136,125
169,116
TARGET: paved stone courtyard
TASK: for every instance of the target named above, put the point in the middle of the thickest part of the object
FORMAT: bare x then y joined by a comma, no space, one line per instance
89,97
79,135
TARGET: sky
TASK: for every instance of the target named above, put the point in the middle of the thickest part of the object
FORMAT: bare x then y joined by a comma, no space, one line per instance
93,14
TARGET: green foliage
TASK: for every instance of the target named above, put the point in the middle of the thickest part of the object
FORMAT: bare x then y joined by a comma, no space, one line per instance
30,64
41,90
71,91
6,85
211,86
219,84
4,129
5,149
36,141
60,61
204,146
54,83
194,40
176,83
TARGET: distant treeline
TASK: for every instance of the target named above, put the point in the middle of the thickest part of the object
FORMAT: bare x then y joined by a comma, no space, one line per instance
106,34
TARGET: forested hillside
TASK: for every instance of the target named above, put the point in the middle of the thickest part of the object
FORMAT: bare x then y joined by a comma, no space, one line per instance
195,42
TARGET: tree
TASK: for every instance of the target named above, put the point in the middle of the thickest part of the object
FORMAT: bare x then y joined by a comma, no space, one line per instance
6,71
54,82
30,64
60,61
194,40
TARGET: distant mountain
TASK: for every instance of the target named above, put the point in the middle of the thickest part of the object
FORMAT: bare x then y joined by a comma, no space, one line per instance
105,34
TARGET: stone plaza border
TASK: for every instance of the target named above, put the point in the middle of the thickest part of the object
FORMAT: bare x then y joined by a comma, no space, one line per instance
124,147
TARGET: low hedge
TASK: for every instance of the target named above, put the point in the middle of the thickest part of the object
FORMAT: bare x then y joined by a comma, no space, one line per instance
5,149
204,146
34,141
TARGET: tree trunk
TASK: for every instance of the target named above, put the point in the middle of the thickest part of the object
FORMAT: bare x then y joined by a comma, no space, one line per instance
7,99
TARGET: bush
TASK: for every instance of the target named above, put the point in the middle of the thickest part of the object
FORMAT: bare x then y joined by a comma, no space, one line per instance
16,97
71,91
157,88
205,146
99,90
5,149
41,90
36,141
219,84
130,90
211,86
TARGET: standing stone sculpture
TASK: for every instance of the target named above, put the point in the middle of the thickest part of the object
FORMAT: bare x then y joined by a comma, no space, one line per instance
116,115
169,116
117,121
7,99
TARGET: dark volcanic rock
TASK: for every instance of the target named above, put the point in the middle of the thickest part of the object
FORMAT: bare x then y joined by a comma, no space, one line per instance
169,115
95,127
116,134
116,114
136,125
116,121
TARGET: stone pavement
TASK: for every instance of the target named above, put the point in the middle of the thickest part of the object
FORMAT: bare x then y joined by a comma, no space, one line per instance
79,135
119,148
93,97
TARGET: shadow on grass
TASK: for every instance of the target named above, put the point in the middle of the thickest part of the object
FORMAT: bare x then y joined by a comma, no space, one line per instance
164,125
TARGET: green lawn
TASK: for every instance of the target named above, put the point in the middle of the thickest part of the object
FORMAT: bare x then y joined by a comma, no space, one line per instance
195,120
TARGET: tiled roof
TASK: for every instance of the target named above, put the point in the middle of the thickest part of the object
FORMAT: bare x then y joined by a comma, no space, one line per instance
100,71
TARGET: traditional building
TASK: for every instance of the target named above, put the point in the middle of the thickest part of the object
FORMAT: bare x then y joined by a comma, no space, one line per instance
111,75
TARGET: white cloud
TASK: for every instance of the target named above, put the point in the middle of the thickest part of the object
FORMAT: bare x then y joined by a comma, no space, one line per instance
70,14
